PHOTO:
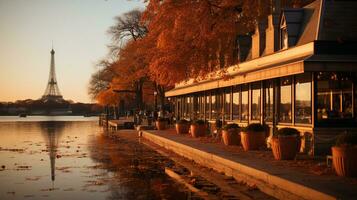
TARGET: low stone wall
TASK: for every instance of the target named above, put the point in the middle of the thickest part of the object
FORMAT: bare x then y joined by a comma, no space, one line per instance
268,183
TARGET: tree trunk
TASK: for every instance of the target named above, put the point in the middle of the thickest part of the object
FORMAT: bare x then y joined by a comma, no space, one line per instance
161,94
139,94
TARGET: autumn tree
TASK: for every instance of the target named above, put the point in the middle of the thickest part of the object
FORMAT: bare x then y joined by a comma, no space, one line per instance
102,84
101,79
131,72
132,64
127,27
195,38
108,98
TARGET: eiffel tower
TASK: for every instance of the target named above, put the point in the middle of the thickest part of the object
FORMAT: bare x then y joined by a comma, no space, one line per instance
52,91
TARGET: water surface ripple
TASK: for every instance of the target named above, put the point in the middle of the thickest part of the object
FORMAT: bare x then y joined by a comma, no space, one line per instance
70,158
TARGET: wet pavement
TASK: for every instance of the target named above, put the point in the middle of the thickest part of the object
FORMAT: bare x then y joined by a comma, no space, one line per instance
75,160
204,182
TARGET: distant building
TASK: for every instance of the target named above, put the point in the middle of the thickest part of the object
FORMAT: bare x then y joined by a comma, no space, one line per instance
52,98
299,69
52,91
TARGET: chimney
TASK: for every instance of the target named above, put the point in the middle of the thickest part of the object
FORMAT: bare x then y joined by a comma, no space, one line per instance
256,43
270,36
272,30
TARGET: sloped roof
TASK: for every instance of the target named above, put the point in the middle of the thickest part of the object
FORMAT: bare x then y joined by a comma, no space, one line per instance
329,20
310,23
338,21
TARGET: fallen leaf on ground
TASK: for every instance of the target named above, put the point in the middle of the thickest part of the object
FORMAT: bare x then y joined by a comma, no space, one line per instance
49,189
33,178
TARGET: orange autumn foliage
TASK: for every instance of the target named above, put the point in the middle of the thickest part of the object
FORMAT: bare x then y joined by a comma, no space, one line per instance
178,40
107,97
131,71
131,65
190,39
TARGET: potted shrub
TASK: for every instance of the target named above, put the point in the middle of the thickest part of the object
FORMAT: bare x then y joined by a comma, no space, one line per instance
253,137
285,143
161,124
182,126
230,134
198,128
216,128
344,155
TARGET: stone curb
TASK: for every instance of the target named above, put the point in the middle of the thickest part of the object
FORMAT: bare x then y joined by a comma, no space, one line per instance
271,184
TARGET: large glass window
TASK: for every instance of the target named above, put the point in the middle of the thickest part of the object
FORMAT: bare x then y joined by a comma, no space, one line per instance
198,113
219,104
255,101
182,111
213,105
207,104
178,107
227,103
285,114
334,95
195,110
192,107
236,103
303,98
183,101
269,101
245,105
202,106
188,106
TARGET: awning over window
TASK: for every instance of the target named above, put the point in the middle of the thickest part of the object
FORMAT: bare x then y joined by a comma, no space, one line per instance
283,63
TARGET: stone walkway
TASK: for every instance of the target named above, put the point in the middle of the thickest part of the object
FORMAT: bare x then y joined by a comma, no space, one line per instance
203,181
272,177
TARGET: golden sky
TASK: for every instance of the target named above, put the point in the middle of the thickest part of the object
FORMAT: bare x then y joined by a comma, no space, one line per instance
78,31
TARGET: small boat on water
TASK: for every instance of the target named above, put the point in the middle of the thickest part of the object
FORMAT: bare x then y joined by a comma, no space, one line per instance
22,115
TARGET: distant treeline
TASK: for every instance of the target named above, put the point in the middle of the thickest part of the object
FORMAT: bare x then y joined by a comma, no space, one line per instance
41,107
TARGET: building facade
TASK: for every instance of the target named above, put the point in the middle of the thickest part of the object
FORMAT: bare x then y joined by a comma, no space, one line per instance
300,71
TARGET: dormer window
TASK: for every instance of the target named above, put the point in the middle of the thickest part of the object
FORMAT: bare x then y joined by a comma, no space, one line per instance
283,34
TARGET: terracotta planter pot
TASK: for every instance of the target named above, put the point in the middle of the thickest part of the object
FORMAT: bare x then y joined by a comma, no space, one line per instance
252,140
344,161
198,130
160,125
231,137
182,128
284,148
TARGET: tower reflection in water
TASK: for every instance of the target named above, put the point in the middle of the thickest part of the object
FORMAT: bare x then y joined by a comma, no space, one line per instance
52,132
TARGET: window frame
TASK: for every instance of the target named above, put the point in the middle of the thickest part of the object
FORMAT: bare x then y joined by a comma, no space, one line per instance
335,122
291,100
227,91
311,99
253,87
237,89
244,88
271,84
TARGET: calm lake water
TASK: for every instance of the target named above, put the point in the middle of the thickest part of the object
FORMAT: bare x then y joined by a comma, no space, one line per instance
70,158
